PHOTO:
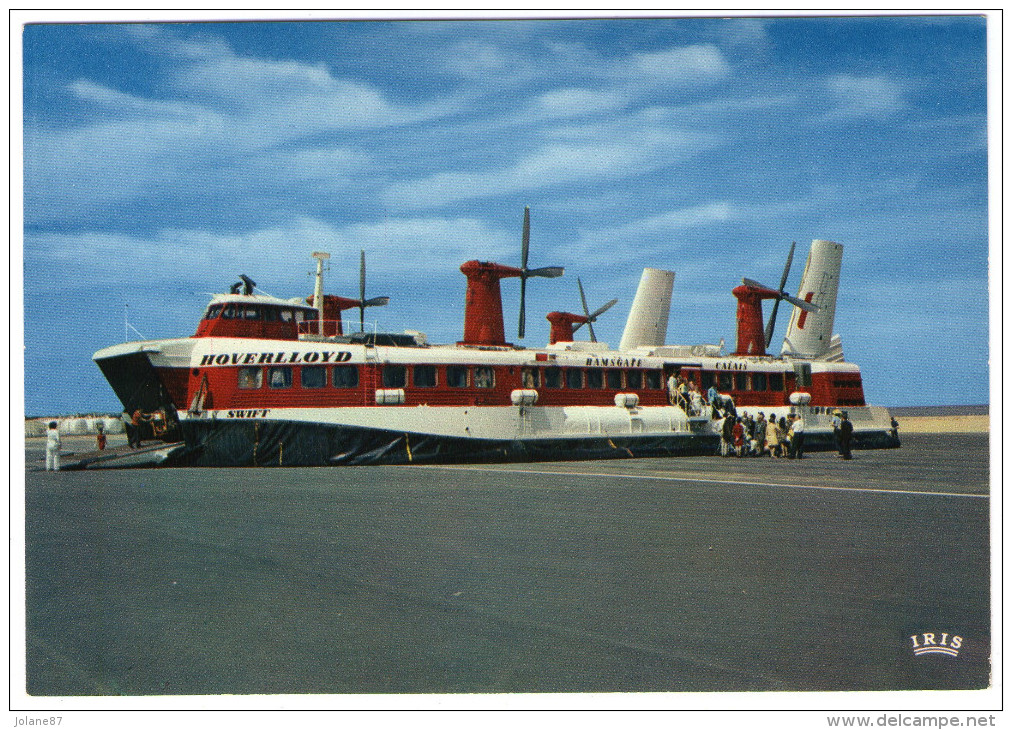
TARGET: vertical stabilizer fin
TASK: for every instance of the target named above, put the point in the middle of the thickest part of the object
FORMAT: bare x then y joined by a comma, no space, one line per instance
647,325
809,334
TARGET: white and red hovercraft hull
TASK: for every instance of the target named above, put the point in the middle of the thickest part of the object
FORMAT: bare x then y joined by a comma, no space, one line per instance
268,381
309,403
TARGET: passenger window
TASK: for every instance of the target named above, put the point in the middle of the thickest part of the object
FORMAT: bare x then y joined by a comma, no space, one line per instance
270,314
776,381
213,312
228,312
741,381
286,315
553,377
424,376
724,381
614,379
456,376
394,376
314,377
574,378
484,378
708,379
251,378
251,313
654,379
595,378
759,381
280,377
529,378
634,379
345,376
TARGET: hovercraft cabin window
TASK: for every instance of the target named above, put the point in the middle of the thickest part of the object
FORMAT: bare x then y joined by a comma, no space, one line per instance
574,378
614,379
724,381
213,312
654,379
776,381
345,376
314,376
424,376
759,381
394,376
741,381
280,377
456,376
595,378
251,378
529,378
484,377
553,377
634,379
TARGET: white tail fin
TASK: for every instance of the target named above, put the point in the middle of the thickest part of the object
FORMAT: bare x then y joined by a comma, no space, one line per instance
809,334
647,325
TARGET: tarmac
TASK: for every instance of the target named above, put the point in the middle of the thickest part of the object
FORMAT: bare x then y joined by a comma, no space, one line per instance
639,575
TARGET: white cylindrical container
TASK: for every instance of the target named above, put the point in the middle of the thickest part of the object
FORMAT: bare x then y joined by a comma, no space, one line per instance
390,397
627,400
524,397
800,398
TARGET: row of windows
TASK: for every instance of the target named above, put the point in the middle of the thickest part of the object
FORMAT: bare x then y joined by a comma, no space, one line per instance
726,381
256,313
457,376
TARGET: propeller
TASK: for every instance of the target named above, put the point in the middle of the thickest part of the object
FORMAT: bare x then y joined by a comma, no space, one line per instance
548,272
800,303
362,301
776,303
591,318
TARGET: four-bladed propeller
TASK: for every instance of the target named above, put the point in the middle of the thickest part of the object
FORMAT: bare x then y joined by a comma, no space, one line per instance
591,317
548,272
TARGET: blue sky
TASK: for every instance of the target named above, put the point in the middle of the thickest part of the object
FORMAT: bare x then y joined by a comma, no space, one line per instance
162,161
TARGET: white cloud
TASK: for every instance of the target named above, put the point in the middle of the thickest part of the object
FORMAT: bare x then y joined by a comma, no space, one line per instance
686,64
572,102
580,155
864,96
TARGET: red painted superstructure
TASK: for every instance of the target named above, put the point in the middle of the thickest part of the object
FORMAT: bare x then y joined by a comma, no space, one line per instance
751,335
562,325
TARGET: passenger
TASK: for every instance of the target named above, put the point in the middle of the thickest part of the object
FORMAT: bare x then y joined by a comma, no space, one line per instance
726,436
683,392
713,397
100,436
760,434
738,433
895,429
772,437
53,447
798,438
673,389
846,429
836,429
696,399
783,429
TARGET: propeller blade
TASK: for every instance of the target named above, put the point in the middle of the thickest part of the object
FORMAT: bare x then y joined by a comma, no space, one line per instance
601,310
527,238
583,299
523,294
772,322
549,272
361,293
802,304
787,266
755,284
783,282
376,302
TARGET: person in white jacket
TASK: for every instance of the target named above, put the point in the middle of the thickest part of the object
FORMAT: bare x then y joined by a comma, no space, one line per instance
53,447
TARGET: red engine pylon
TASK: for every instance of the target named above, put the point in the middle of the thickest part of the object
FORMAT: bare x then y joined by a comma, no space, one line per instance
751,335
562,325
483,323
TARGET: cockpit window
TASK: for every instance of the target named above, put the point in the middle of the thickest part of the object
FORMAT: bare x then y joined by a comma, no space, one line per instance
213,312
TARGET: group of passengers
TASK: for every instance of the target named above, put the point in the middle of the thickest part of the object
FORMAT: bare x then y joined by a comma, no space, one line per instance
759,436
682,392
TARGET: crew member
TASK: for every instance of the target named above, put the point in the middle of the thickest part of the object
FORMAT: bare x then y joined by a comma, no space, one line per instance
53,447
846,429
136,420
